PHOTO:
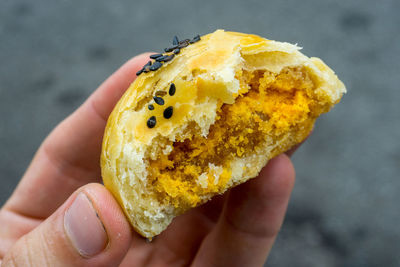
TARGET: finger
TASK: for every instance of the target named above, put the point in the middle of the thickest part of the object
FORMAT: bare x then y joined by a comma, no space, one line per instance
251,219
72,150
212,209
179,243
12,227
88,230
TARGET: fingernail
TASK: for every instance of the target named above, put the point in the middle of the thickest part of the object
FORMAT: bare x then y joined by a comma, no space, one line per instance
84,227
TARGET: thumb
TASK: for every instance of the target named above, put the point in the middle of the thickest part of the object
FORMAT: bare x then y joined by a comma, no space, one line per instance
89,229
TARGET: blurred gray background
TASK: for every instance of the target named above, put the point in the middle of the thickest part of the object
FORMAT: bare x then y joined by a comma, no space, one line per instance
345,206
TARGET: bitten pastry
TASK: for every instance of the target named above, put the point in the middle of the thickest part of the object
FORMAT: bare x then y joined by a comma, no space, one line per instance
205,116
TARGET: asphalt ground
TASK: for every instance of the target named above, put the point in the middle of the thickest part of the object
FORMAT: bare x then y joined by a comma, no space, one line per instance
345,206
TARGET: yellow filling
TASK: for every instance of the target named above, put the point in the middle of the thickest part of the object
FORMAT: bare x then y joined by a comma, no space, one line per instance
269,106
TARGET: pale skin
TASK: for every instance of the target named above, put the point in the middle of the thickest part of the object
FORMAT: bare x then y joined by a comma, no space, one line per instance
235,229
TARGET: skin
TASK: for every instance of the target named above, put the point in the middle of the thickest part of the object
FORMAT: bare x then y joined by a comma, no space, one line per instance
235,229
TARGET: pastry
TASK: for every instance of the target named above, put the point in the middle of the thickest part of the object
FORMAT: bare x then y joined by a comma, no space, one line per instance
206,115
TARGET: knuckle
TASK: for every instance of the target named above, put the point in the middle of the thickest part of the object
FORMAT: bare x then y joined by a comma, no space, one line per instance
27,253
11,259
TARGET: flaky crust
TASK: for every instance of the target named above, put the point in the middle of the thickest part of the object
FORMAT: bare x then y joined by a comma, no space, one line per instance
129,144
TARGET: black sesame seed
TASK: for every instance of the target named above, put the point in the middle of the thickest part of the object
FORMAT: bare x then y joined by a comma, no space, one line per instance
158,100
154,56
165,58
146,68
175,41
176,51
184,41
182,45
169,49
139,72
168,58
151,122
195,39
168,112
156,65
172,89
151,107
160,59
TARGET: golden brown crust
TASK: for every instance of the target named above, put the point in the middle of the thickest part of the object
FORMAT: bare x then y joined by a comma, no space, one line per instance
209,75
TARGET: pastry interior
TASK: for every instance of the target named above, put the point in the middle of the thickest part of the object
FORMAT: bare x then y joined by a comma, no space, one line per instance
268,106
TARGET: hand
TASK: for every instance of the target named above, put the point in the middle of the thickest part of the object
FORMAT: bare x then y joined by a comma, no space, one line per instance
60,214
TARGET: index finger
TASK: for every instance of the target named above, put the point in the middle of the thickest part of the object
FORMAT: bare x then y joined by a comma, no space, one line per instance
69,157
251,219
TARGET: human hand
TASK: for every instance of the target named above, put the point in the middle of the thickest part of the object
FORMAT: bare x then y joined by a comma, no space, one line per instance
60,214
